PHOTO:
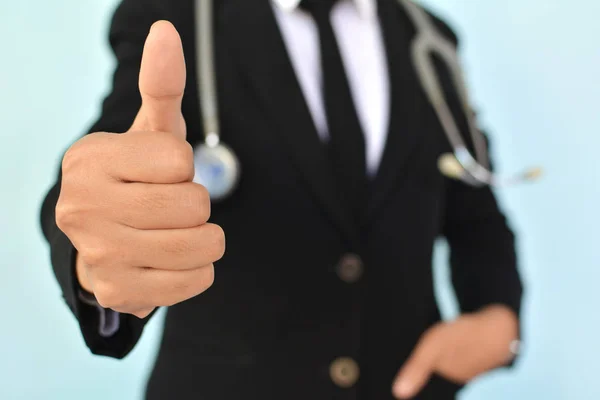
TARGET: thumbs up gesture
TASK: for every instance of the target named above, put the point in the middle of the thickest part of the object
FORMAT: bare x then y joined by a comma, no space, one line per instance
129,205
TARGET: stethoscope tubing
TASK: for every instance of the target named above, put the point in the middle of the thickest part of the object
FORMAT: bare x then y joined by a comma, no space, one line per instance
471,169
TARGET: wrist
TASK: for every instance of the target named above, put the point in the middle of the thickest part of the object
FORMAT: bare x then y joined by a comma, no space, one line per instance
501,317
500,331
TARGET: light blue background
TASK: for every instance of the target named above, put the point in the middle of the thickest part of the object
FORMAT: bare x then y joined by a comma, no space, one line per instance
533,67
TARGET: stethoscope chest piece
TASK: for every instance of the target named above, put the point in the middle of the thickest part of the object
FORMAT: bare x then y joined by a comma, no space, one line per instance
216,168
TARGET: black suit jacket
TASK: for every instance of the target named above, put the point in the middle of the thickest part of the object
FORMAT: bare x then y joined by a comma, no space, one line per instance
279,312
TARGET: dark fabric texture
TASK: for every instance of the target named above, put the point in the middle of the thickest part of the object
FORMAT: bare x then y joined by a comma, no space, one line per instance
346,138
278,313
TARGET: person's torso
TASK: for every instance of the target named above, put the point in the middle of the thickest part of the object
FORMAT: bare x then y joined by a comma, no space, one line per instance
285,303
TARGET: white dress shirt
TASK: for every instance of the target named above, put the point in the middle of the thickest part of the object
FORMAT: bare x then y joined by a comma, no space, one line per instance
359,37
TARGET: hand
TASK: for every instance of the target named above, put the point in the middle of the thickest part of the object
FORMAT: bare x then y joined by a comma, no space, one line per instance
459,350
128,203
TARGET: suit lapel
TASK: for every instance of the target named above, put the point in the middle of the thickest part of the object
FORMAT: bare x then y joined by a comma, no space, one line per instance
271,75
408,104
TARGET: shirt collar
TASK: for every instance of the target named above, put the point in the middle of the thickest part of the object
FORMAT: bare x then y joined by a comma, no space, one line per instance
366,8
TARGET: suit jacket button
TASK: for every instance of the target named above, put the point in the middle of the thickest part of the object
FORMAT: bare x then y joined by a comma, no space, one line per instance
350,268
344,372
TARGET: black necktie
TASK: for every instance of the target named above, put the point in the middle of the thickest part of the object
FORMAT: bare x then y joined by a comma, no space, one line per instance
347,142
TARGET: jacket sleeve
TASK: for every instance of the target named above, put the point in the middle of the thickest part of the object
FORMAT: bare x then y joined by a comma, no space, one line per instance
129,27
482,245
482,250
483,259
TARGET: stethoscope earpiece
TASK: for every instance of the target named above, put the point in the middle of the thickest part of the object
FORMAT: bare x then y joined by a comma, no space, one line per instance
471,168
450,167
477,175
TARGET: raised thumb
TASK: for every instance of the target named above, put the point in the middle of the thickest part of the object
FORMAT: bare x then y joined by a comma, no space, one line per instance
162,81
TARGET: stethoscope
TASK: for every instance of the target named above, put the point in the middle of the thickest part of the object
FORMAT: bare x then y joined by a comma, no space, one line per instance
218,169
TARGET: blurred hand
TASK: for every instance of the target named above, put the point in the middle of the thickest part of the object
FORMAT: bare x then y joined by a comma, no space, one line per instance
128,203
460,350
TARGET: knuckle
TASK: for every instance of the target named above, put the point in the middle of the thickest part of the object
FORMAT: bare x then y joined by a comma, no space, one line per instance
108,295
203,280
78,152
200,203
71,157
217,242
180,159
65,215
197,283
74,206
202,194
95,255
207,278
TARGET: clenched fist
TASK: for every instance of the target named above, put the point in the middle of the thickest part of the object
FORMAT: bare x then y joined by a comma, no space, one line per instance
128,203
